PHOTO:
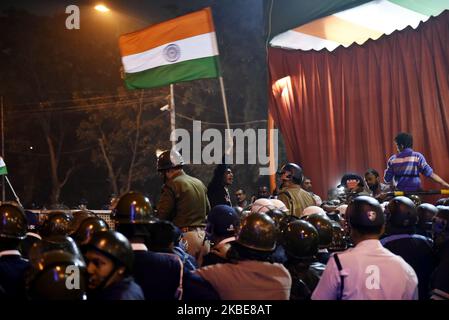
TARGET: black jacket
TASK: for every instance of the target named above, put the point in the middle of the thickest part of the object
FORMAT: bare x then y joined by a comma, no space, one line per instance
12,276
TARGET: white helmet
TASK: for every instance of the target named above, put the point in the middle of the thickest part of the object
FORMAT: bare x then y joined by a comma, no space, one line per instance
311,210
262,205
341,210
278,204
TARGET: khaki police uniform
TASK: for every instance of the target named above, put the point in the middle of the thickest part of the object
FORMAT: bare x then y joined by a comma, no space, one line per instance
184,202
296,199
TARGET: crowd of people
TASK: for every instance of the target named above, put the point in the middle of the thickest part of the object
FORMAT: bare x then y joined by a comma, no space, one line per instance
198,243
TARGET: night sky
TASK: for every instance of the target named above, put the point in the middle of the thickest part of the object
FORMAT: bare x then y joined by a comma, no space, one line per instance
241,40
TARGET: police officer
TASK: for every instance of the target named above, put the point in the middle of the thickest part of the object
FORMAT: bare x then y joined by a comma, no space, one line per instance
339,238
56,242
158,274
426,212
439,283
57,275
251,275
78,218
165,237
402,240
110,259
277,216
295,198
13,228
222,225
183,200
325,230
57,223
32,236
440,230
368,271
300,240
87,228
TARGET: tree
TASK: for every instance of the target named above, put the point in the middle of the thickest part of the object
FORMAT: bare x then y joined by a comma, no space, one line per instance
128,135
42,71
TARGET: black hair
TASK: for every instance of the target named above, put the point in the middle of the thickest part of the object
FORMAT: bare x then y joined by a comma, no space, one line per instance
404,139
217,179
373,172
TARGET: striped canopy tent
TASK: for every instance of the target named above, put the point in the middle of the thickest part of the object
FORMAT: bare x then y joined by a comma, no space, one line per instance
363,20
345,76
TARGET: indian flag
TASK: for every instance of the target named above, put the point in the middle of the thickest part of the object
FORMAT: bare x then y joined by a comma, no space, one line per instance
3,170
181,49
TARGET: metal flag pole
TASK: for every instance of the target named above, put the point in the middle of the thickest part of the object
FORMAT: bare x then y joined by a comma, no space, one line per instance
172,113
12,189
228,148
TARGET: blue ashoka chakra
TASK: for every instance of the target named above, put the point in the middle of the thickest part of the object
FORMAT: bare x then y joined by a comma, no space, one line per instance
172,52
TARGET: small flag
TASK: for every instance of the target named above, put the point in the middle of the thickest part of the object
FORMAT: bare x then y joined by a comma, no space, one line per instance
3,170
177,50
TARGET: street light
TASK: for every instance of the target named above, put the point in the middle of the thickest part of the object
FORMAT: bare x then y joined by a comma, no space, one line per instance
102,8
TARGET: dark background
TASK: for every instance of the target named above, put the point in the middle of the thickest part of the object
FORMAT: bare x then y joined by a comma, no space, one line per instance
59,84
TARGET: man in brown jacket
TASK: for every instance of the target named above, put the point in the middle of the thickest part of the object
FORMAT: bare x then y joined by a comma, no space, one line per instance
295,198
183,200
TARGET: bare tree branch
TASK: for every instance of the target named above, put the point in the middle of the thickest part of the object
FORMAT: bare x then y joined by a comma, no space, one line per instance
112,176
67,176
136,142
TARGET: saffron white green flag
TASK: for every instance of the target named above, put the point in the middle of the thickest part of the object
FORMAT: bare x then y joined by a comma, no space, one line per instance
3,167
181,49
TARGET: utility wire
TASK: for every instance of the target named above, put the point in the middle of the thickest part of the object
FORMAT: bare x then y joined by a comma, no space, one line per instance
220,123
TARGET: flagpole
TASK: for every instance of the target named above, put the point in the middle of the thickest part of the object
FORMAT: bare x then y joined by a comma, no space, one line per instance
12,189
228,149
3,149
172,112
